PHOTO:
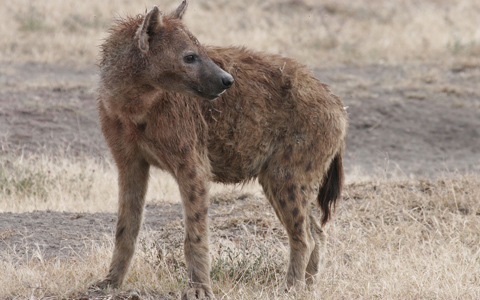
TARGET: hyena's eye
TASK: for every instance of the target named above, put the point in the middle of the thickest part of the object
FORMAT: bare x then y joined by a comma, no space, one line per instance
189,59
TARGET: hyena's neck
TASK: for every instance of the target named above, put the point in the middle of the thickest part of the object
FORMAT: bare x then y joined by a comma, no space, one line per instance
132,104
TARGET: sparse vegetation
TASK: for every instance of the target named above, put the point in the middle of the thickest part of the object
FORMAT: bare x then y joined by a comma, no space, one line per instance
316,32
59,183
390,239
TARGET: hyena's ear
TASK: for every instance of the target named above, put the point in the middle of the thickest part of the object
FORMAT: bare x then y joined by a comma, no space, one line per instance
178,13
150,24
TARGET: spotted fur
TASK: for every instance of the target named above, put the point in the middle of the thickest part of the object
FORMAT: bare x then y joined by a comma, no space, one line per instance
274,121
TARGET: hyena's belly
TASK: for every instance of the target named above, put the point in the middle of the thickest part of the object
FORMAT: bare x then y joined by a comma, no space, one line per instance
234,161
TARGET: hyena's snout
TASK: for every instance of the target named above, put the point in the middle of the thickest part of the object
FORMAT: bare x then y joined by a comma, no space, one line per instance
223,81
216,82
227,80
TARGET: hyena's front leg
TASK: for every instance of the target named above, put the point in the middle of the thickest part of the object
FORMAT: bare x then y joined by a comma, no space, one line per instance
132,179
193,183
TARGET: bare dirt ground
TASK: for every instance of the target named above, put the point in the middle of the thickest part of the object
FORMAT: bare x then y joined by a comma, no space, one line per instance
416,120
410,119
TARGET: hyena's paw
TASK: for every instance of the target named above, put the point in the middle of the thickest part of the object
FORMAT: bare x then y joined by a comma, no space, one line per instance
198,291
104,284
293,286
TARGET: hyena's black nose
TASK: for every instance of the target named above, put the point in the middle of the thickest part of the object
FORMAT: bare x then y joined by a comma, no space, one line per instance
227,80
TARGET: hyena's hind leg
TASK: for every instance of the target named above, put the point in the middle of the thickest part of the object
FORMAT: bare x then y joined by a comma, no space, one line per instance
291,203
315,258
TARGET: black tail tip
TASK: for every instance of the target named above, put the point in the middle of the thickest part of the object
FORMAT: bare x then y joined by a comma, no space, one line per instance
331,189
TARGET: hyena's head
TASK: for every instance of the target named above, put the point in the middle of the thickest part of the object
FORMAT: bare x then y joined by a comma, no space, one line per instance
174,59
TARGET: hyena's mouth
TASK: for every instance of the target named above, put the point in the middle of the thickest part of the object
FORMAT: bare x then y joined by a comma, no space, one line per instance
201,94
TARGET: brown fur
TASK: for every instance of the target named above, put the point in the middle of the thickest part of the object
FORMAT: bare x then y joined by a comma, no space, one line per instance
276,122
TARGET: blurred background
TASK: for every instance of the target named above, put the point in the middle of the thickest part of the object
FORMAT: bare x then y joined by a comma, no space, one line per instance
408,70
317,32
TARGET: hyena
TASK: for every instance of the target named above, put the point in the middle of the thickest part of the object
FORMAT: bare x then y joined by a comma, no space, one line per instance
217,114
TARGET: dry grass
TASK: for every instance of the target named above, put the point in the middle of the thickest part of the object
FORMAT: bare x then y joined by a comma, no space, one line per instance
60,184
316,32
57,183
390,239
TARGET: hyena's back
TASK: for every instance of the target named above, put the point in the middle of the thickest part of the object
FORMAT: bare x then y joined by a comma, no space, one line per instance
276,115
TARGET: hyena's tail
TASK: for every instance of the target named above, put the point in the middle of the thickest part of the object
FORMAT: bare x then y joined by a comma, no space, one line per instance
331,188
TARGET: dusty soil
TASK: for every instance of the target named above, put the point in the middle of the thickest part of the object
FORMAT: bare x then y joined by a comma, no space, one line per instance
409,120
412,119
28,235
